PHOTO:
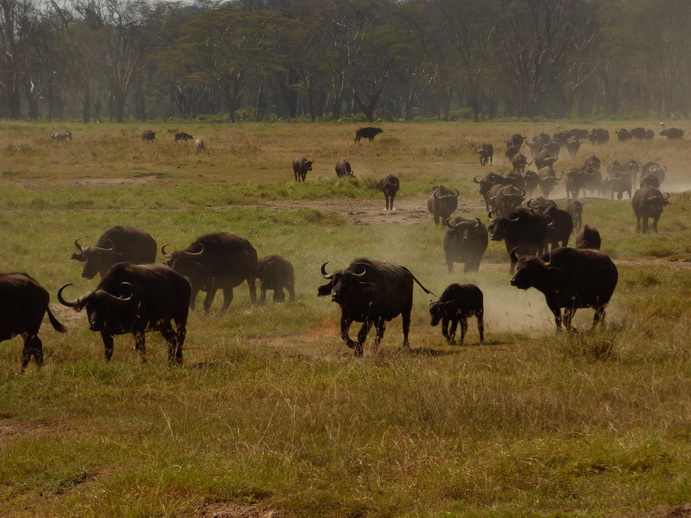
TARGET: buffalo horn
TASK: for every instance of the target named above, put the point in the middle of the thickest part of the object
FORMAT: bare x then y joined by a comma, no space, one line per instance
475,180
163,251
457,193
324,274
447,223
200,251
112,247
76,243
120,299
478,222
362,273
64,302
489,215
513,219
665,196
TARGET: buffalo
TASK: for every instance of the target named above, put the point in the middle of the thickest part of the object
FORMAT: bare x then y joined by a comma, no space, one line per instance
518,162
638,133
648,202
523,229
515,141
199,145
671,133
368,133
623,135
575,208
116,245
575,181
275,273
486,153
62,136
530,181
389,185
442,203
457,304
23,303
505,198
217,261
619,184
300,167
548,179
343,168
569,278
148,135
560,227
465,242
136,298
573,145
486,184
598,136
588,237
181,135
371,292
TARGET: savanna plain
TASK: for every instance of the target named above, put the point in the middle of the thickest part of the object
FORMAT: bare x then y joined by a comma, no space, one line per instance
271,414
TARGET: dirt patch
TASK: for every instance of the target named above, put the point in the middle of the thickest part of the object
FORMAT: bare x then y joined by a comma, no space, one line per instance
11,429
663,511
228,510
407,211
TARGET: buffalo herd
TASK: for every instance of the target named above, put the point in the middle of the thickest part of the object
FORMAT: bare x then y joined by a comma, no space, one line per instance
136,295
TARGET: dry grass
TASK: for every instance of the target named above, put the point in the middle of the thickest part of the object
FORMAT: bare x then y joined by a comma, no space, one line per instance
271,415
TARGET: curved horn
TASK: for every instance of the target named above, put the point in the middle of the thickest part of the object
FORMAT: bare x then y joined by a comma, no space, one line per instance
121,300
324,274
112,247
446,222
665,196
457,193
522,192
197,253
361,274
75,304
512,219
549,261
475,179
478,222
76,243
163,251
489,215
512,254
435,194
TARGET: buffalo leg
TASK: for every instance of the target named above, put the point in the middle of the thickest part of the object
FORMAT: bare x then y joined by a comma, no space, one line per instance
451,338
464,327
556,310
405,317
481,325
599,317
638,224
445,330
194,291
655,224
227,299
345,327
32,347
291,291
107,345
279,296
381,327
140,344
262,291
362,334
251,282
569,312
174,344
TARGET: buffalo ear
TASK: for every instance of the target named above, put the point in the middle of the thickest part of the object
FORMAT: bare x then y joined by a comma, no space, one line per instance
322,291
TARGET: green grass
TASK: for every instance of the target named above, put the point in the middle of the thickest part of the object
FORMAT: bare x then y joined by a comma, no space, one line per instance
270,410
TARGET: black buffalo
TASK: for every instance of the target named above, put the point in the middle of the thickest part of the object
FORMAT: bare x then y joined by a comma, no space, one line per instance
343,168
371,292
457,304
598,136
136,298
486,184
181,135
389,185
575,181
116,245
442,203
23,303
648,202
486,153
672,133
276,273
588,237
217,261
465,241
575,208
560,226
515,141
569,278
300,167
524,229
148,135
368,133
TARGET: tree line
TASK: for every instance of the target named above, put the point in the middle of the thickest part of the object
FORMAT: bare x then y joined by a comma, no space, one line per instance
329,59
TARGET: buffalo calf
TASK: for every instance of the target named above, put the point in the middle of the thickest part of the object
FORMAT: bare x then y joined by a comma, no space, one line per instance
456,304
275,273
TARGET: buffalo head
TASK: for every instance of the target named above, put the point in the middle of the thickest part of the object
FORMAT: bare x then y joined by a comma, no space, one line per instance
101,305
344,284
95,259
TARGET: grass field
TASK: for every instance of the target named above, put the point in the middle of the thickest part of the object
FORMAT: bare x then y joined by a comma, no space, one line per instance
271,415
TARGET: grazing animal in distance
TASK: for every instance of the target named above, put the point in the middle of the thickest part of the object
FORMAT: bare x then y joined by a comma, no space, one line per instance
486,184
598,136
116,245
62,136
588,237
343,168
648,202
465,241
575,208
390,185
671,133
518,162
148,135
199,145
368,133
486,153
515,141
371,292
559,228
23,304
442,203
136,298
569,278
300,167
216,261
457,304
183,136
275,273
